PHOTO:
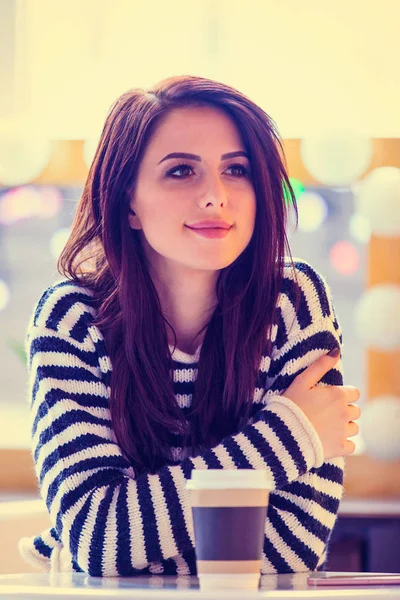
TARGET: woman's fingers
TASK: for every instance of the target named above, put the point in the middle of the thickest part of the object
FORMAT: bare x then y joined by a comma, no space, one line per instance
352,393
349,448
330,408
352,429
314,372
354,412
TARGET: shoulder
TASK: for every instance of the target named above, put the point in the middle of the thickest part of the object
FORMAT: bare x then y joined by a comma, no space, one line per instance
63,306
305,299
62,328
309,281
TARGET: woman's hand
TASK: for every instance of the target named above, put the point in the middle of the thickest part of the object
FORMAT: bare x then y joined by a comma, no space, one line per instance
328,408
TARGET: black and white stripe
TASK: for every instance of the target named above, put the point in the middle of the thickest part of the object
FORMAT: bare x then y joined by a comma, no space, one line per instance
106,521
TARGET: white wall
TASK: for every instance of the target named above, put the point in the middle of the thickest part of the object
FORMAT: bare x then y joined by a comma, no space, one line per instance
307,62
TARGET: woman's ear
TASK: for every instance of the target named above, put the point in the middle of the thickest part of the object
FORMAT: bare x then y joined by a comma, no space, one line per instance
134,220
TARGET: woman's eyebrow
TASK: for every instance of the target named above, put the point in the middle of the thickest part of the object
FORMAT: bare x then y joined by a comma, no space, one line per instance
198,158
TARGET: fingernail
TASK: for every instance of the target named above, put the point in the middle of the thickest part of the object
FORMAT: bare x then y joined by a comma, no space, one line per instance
334,353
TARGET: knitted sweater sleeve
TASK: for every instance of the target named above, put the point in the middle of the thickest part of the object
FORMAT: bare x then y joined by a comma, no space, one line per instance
302,512
111,522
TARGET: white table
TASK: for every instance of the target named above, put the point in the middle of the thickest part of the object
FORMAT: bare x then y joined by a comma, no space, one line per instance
370,508
74,586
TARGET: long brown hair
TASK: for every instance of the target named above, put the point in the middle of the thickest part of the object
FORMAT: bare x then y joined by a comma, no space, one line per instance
104,254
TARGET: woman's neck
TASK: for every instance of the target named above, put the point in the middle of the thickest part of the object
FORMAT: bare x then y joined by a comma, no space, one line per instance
187,304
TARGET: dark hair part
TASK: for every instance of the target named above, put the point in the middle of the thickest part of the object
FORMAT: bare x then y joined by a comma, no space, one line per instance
104,254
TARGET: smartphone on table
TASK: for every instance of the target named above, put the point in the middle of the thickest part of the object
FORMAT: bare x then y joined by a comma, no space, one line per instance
347,578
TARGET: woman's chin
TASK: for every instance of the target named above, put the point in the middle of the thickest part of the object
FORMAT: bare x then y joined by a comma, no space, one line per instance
211,263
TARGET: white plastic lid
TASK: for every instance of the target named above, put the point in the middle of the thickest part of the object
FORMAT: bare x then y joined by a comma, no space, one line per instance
219,479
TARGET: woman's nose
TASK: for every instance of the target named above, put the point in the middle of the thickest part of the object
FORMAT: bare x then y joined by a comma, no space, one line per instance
214,190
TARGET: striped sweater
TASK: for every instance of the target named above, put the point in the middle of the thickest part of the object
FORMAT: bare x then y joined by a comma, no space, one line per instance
108,522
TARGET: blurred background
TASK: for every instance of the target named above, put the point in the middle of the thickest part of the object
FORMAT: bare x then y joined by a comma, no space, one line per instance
328,75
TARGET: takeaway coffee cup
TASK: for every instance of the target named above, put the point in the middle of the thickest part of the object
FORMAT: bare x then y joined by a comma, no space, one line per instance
229,510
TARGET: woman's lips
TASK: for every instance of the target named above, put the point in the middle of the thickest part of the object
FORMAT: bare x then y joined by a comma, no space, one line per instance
211,232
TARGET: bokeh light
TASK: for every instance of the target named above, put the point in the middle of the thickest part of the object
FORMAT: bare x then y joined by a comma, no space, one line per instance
27,201
51,201
380,426
298,189
382,332
4,295
336,157
312,210
344,257
377,197
23,156
58,241
360,228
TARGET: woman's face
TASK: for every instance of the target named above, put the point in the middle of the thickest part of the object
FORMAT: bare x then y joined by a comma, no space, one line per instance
169,197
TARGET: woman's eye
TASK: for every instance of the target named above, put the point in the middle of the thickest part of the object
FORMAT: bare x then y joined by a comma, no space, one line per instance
241,168
243,171
177,168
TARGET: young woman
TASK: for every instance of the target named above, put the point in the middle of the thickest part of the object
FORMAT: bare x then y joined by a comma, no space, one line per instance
181,338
